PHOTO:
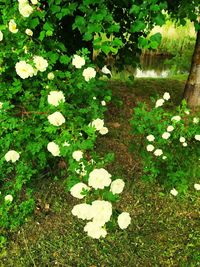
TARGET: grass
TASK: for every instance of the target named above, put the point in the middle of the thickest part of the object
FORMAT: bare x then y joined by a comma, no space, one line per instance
165,230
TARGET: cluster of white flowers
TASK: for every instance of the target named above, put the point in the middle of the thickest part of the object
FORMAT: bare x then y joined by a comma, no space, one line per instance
176,118
89,73
78,61
98,124
197,137
77,155
161,101
25,9
41,64
55,98
12,156
99,178
8,198
151,148
53,148
195,120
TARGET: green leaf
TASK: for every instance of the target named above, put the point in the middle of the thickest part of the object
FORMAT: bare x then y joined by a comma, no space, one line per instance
138,26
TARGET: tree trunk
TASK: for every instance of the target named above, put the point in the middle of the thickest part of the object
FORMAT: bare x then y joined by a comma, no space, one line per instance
192,87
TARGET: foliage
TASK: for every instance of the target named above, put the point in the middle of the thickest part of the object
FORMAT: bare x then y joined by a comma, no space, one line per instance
168,142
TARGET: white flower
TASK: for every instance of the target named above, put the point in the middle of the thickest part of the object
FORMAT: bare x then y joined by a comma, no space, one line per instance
197,137
1,105
78,61
95,231
29,32
197,187
77,189
34,2
12,26
94,98
54,149
166,135
195,120
150,148
77,155
12,155
1,36
166,96
98,124
105,70
187,112
50,76
184,144
150,138
9,198
117,186
21,2
89,73
24,70
55,98
158,152
174,192
83,211
103,103
41,64
99,178
124,220
56,118
25,10
159,102
164,157
176,118
103,130
170,128
102,211
182,139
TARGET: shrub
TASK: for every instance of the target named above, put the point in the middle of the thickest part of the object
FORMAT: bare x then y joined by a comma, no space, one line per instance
167,140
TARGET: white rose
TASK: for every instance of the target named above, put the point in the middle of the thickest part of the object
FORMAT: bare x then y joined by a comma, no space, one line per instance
124,220
83,211
102,211
78,61
117,186
55,98
195,120
184,144
182,139
25,10
54,149
12,26
159,102
158,152
174,192
176,118
41,64
197,187
197,137
99,178
12,155
150,148
77,189
24,70
103,130
94,98
95,231
150,138
29,32
1,36
9,198
89,73
166,96
170,128
1,105
103,103
105,70
166,135
98,124
50,76
56,118
77,155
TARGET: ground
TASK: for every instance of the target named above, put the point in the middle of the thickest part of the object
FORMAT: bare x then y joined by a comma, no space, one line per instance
165,230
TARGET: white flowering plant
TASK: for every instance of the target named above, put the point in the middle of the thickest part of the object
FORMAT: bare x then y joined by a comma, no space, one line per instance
167,140
51,111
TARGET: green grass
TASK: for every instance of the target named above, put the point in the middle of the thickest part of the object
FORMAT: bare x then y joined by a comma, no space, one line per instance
165,230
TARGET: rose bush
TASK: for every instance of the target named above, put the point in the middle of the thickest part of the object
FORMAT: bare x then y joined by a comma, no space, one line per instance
168,142
51,112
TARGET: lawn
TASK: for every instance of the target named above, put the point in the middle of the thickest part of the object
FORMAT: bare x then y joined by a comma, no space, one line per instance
165,230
